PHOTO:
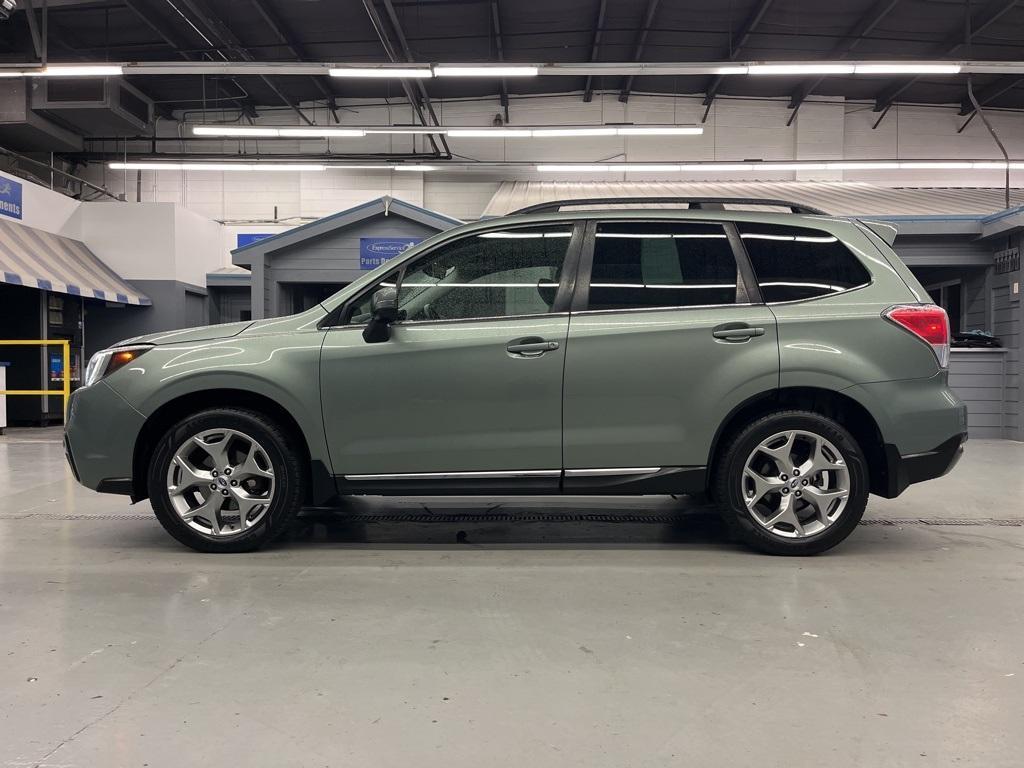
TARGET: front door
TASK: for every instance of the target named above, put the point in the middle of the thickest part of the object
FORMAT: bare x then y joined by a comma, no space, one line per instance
467,392
664,344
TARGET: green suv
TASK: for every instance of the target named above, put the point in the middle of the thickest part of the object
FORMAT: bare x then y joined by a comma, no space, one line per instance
784,364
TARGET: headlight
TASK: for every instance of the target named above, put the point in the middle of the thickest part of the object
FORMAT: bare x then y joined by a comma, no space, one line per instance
107,361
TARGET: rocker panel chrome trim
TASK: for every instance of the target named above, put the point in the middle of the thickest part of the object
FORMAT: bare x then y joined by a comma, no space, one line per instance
459,475
611,471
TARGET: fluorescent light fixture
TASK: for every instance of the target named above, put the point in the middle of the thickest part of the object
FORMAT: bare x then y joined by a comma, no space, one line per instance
412,130
648,168
732,70
486,133
640,130
256,131
943,165
231,130
401,72
843,165
444,70
907,69
156,166
801,69
415,168
324,133
703,167
467,132
863,165
772,166
551,132
67,70
581,168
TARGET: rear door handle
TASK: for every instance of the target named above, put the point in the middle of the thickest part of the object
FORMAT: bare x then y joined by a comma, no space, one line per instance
531,346
740,333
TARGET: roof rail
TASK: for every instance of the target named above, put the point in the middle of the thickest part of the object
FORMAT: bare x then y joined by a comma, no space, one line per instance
692,203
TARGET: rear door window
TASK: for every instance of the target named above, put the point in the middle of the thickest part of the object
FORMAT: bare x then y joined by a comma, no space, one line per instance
644,265
793,263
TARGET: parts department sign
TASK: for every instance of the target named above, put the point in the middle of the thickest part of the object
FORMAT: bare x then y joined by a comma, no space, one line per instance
10,197
374,251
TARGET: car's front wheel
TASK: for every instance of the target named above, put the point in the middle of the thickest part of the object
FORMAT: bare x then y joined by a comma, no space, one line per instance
792,483
225,480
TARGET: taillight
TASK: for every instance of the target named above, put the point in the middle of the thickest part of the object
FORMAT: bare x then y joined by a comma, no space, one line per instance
926,321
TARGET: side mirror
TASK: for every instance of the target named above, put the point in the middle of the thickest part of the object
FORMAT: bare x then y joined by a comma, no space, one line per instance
383,312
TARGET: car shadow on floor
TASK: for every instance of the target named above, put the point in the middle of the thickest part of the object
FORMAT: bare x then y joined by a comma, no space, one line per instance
604,522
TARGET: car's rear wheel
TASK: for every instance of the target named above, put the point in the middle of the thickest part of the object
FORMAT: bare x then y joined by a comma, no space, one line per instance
225,480
792,483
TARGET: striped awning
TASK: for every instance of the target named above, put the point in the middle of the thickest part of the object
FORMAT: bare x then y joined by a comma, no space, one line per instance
38,259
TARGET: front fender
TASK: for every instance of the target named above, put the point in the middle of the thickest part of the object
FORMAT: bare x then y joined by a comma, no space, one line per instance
282,367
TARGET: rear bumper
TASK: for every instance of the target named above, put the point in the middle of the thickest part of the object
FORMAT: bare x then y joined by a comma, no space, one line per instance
904,471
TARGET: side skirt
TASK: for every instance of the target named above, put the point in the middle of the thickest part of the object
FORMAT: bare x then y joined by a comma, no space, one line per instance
540,482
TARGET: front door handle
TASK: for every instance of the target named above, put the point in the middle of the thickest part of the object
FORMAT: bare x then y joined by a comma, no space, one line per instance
736,332
531,346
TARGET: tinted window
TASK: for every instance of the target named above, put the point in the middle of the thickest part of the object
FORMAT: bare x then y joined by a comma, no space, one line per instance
642,265
797,263
505,273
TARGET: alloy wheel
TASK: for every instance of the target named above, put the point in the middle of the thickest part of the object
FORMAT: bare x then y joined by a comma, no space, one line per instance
795,484
221,482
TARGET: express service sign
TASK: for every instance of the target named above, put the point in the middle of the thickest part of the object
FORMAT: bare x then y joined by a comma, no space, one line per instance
10,197
374,251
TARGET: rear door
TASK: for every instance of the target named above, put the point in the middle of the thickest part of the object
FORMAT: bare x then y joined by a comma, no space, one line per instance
666,337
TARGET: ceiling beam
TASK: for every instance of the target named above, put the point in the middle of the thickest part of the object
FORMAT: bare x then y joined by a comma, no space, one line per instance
595,48
741,37
393,56
500,49
641,41
285,35
990,92
205,14
957,38
149,18
420,86
853,37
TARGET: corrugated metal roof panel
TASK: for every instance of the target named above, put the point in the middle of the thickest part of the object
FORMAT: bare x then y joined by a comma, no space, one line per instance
840,198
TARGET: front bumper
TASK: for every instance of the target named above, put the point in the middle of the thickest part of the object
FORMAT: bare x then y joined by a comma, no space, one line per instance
99,438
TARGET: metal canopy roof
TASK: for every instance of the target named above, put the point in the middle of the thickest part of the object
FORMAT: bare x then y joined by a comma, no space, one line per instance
38,259
840,198
529,31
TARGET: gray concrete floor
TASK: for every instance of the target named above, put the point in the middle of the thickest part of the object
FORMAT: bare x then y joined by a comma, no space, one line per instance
398,635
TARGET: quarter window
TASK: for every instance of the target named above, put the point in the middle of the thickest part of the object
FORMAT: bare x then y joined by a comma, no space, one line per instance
642,265
503,273
794,263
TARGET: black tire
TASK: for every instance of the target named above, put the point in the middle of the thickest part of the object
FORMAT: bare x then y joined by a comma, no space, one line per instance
288,466
728,490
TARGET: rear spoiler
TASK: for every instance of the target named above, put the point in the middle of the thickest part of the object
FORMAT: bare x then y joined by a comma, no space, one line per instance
883,229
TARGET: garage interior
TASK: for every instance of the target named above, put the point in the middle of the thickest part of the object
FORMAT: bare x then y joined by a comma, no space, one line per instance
166,164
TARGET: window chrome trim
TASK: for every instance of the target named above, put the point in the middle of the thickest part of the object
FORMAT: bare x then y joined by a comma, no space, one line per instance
459,475
661,309
860,287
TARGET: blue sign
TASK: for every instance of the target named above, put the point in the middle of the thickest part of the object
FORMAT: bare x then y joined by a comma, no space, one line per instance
10,197
374,251
248,238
